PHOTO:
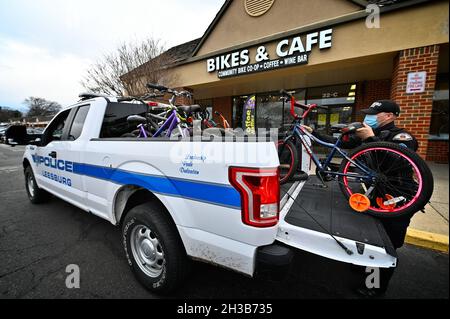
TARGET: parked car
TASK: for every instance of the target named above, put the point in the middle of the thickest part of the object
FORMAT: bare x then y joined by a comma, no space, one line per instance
34,131
20,135
3,129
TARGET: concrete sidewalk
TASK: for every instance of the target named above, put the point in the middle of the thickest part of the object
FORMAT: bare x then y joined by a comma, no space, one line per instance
430,229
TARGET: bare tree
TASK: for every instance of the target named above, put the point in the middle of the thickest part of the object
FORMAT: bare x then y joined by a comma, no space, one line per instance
41,107
7,113
128,69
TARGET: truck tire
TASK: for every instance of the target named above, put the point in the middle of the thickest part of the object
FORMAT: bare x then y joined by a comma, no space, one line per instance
154,249
35,194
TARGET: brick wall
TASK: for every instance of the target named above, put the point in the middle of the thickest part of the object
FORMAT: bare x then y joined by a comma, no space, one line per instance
368,92
416,107
437,151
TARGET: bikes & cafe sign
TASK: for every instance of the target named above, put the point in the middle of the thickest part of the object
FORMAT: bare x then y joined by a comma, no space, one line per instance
289,52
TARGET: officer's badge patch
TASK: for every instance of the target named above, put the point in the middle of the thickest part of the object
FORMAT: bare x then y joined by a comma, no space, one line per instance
402,137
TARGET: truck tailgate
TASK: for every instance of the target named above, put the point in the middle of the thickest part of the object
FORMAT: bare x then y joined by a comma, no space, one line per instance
329,212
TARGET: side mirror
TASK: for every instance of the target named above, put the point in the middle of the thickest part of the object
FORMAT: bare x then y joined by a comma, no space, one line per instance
12,143
36,142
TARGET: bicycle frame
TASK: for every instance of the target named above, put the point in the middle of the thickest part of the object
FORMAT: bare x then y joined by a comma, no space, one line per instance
225,123
170,124
300,133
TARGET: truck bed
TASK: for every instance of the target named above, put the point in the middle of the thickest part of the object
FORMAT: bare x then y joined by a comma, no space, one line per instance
329,207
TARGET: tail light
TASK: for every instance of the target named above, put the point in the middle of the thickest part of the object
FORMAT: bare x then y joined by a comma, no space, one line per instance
152,103
260,194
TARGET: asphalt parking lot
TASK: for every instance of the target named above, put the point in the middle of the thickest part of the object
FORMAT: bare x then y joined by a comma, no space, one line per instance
37,242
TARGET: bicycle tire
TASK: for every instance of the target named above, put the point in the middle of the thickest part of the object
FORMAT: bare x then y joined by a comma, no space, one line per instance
411,169
128,135
291,159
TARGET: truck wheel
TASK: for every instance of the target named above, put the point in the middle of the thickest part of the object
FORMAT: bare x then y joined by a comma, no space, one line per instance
154,249
35,194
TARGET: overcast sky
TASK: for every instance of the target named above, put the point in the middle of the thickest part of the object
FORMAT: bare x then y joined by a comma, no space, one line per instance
47,45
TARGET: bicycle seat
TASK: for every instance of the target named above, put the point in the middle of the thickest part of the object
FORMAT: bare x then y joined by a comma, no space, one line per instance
336,128
349,128
188,109
136,119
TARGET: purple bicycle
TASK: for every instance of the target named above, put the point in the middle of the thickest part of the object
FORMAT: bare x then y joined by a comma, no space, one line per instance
167,123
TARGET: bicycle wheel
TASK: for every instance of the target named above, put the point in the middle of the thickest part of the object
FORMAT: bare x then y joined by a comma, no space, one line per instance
287,153
401,181
126,135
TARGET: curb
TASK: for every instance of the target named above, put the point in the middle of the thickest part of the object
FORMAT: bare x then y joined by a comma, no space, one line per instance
427,240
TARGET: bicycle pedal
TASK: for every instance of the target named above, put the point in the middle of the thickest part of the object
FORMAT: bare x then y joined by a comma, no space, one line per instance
301,176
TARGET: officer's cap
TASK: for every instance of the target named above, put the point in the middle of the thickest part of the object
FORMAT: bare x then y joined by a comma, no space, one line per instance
387,106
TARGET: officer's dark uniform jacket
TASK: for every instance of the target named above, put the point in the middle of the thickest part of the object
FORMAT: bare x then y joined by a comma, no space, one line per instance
395,227
386,133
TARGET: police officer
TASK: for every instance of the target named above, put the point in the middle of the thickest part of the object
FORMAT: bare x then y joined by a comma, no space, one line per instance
379,125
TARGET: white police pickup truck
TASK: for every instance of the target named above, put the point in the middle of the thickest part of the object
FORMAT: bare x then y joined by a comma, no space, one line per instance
176,200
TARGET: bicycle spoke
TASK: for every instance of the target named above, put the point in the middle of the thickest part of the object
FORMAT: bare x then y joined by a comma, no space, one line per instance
407,189
403,184
384,158
400,177
398,189
377,161
397,167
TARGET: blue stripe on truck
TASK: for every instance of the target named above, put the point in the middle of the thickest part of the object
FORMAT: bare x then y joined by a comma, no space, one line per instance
216,194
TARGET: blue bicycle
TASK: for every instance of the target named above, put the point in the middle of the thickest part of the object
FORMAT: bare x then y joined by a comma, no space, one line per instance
383,179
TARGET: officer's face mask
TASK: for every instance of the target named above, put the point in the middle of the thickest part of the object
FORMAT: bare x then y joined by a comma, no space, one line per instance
371,120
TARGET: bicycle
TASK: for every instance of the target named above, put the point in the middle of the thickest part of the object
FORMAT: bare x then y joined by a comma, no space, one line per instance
167,120
225,123
381,178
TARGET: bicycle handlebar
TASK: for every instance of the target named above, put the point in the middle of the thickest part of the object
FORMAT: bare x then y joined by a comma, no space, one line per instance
285,93
138,98
157,87
167,90
153,95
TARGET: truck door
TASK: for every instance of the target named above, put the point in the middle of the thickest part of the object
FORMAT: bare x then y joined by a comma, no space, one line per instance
56,158
44,158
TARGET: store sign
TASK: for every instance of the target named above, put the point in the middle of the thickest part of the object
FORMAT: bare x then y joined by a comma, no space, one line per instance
249,115
416,82
289,52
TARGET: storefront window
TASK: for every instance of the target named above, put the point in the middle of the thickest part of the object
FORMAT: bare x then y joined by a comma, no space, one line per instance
269,112
338,101
439,115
